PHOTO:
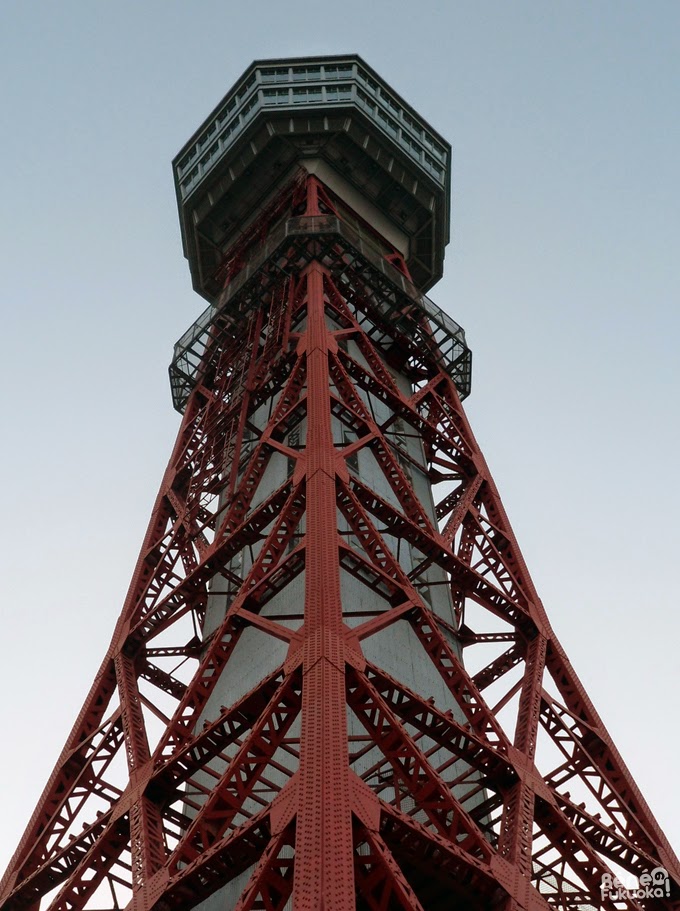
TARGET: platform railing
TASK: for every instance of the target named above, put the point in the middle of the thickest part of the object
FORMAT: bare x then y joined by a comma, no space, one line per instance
441,334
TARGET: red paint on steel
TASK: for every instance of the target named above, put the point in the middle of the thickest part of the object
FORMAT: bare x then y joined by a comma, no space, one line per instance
161,797
324,876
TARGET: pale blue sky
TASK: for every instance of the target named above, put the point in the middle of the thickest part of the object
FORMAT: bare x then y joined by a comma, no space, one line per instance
563,269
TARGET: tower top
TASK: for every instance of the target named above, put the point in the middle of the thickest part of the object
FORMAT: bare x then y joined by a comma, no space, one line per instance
331,115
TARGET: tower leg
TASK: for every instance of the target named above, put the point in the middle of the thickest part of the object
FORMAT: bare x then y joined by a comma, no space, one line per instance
324,873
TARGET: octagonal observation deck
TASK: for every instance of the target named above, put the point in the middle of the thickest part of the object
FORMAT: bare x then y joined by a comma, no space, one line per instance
336,116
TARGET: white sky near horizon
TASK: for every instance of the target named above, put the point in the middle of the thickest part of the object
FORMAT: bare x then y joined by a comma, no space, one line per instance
563,269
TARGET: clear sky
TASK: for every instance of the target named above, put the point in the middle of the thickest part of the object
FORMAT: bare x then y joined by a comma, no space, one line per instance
563,269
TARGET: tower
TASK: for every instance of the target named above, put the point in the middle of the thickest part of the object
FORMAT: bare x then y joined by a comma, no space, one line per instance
333,684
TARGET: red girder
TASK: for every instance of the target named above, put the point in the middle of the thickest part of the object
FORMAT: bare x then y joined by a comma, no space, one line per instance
245,769
52,816
63,863
271,883
443,729
516,835
224,860
472,582
420,780
601,778
458,873
94,870
232,724
380,881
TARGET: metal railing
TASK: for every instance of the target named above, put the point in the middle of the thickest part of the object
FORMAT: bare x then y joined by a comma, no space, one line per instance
404,307
262,89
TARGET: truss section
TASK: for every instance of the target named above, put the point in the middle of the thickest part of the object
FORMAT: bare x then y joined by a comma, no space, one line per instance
333,683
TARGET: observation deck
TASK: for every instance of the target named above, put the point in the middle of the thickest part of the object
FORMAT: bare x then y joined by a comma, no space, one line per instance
332,114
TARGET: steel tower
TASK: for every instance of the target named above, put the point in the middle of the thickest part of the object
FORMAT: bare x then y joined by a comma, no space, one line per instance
333,685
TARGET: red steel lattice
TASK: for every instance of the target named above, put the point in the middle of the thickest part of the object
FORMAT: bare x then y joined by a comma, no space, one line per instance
161,798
